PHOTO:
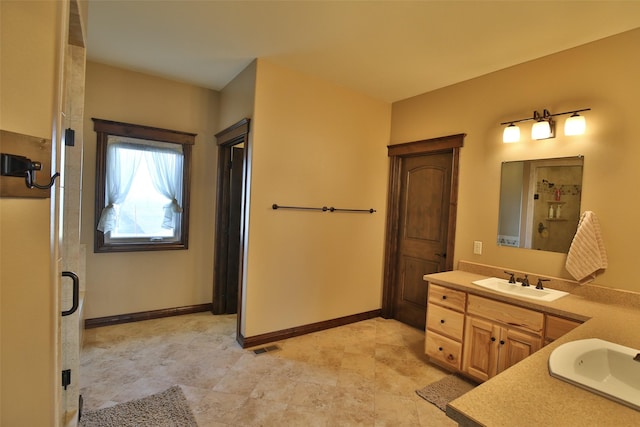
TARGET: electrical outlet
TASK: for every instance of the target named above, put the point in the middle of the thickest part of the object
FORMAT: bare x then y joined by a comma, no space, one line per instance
477,247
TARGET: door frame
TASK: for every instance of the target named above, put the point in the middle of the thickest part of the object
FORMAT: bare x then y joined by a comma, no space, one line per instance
397,153
235,134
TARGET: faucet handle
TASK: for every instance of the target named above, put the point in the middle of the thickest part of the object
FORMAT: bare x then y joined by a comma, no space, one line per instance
512,278
540,280
525,281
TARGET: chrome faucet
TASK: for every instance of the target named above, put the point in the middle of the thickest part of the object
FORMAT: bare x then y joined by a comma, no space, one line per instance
525,281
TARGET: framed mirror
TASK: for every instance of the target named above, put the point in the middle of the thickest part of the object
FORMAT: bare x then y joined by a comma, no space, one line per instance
540,203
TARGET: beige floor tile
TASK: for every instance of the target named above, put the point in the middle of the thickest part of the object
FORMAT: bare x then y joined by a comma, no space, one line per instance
218,407
274,388
256,412
311,395
362,374
296,416
237,382
363,364
351,419
430,415
395,411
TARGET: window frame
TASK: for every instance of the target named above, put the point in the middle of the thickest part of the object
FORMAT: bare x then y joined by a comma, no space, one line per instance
106,128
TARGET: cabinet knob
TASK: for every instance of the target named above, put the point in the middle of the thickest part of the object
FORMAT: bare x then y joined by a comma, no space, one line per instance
444,297
442,321
439,348
493,339
450,356
501,342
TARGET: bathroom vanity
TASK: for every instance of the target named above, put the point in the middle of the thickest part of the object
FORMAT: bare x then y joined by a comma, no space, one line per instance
504,342
495,335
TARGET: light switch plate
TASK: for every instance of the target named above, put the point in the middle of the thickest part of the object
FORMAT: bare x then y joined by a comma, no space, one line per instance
477,247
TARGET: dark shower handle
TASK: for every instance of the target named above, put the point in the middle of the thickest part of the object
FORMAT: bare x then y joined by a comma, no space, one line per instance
76,292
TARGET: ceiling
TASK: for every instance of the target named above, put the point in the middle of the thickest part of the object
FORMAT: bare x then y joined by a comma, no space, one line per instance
389,50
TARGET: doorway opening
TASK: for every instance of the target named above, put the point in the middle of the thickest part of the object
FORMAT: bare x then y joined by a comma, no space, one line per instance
421,222
231,202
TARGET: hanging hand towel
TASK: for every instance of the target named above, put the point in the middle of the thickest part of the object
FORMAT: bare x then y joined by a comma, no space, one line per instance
587,254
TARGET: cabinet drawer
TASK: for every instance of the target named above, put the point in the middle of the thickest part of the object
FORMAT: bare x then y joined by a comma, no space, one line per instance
443,350
508,314
445,322
558,326
447,297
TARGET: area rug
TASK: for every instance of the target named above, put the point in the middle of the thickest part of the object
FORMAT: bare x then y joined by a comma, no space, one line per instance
445,390
166,409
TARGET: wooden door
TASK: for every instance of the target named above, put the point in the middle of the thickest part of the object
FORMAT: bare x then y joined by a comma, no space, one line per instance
232,190
412,215
480,348
233,238
516,346
422,232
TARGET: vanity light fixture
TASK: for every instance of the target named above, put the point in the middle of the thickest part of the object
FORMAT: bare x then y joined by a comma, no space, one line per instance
511,134
575,125
544,126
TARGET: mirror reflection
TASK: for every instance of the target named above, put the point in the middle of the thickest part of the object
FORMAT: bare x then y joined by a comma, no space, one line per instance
540,203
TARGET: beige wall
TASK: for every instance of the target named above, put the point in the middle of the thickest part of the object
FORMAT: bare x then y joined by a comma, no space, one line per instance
314,144
130,282
602,75
28,312
236,98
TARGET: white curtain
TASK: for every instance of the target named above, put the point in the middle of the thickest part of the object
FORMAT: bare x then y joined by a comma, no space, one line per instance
121,168
165,169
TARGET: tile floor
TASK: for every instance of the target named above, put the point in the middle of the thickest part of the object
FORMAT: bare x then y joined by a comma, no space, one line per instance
362,374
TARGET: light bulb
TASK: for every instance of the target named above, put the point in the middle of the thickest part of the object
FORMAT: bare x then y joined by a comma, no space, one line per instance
575,125
541,130
511,134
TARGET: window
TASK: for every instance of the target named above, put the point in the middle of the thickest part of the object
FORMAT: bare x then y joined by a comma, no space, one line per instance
142,187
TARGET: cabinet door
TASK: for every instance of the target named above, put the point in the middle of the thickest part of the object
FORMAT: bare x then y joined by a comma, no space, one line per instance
480,348
555,327
515,346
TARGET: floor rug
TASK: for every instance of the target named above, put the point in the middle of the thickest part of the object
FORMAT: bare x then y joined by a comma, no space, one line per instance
445,390
166,409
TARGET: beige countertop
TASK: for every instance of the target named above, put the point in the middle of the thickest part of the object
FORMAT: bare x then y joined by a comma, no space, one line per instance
525,394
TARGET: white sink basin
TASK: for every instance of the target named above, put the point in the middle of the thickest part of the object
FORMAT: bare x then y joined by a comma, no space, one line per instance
602,367
516,289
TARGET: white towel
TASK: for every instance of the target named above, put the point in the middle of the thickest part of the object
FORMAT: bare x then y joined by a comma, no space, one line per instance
587,254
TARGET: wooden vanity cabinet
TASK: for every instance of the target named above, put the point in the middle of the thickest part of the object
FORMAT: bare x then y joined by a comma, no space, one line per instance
498,336
445,326
481,337
490,348
555,327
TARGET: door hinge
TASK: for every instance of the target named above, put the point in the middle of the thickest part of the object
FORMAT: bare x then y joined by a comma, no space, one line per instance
66,378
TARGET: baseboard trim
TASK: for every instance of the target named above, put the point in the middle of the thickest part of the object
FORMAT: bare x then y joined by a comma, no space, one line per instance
145,315
255,340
